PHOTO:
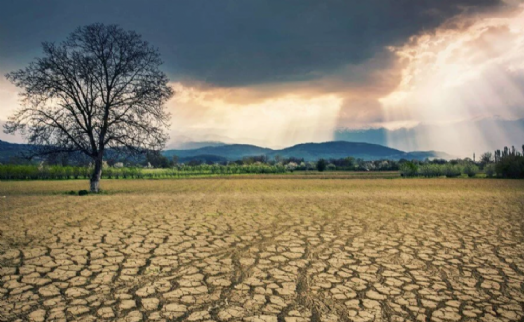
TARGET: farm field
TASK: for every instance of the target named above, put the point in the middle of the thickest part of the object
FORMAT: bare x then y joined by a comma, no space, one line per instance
278,249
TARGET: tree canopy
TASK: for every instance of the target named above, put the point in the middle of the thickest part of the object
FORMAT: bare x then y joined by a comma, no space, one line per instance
100,89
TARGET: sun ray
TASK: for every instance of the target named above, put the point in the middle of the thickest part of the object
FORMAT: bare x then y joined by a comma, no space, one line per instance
460,75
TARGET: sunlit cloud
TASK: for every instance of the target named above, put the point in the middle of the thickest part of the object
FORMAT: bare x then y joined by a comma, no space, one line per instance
225,114
8,98
9,101
472,71
281,114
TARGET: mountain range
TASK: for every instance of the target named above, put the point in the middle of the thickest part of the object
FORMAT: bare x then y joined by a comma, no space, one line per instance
458,139
190,145
461,138
11,150
307,151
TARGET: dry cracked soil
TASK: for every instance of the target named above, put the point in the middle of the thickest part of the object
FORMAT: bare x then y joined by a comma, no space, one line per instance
263,250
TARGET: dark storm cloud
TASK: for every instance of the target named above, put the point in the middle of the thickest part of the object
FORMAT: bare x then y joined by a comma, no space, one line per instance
233,43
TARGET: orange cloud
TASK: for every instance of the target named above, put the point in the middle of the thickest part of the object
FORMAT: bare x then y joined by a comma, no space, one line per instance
8,98
244,116
285,113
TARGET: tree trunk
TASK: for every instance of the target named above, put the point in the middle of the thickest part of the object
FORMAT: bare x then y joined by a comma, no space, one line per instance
95,177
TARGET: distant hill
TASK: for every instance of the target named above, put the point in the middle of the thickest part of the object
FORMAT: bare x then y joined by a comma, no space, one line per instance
478,136
205,158
339,149
309,151
190,145
10,150
229,151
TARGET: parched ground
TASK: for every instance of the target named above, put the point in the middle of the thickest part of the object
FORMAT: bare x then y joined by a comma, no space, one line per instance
263,250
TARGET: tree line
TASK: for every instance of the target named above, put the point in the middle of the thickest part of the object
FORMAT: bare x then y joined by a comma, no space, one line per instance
505,163
58,172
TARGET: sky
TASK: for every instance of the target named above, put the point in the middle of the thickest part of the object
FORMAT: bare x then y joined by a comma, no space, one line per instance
278,73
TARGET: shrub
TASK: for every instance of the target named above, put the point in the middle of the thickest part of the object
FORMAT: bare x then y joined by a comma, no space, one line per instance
470,170
408,169
108,172
302,166
438,170
291,166
452,171
430,170
489,170
510,166
83,192
321,165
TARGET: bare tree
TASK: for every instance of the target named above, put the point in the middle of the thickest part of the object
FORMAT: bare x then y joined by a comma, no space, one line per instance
99,89
486,158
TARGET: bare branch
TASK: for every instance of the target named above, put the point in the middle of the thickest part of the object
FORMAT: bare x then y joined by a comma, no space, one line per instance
100,88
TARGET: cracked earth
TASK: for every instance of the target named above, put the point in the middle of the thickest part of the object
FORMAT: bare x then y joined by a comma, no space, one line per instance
263,250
